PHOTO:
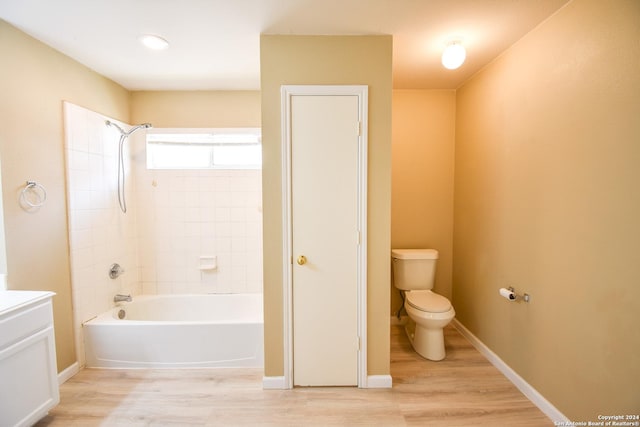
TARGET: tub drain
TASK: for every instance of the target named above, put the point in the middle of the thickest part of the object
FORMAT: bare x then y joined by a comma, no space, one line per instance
121,314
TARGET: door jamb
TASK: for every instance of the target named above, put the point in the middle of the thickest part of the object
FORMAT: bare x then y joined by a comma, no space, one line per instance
287,92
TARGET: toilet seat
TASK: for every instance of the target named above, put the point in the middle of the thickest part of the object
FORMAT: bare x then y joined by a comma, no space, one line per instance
428,301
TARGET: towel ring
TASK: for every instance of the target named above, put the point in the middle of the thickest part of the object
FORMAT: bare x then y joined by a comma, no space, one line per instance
37,189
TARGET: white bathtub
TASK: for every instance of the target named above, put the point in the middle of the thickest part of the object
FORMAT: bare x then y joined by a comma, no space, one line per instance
178,331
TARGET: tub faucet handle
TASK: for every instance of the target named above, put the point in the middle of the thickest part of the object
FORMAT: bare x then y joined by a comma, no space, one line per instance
115,270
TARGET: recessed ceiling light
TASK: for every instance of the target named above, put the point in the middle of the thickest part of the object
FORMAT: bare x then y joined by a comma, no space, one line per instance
153,42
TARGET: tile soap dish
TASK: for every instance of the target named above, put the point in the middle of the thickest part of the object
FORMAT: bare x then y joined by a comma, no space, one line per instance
208,262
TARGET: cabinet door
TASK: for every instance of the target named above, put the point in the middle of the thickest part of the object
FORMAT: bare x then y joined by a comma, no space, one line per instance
29,385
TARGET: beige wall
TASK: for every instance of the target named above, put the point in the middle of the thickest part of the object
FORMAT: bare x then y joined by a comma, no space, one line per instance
34,80
196,109
422,178
547,200
328,60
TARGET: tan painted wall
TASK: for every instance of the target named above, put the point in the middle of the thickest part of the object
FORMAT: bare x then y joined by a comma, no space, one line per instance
34,80
422,178
196,109
547,200
329,60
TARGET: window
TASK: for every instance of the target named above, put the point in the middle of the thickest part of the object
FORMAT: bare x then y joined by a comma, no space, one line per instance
237,148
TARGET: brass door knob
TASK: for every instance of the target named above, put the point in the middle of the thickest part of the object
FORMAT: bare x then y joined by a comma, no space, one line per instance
302,260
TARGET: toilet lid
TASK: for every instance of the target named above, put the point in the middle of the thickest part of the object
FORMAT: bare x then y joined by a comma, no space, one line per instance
428,301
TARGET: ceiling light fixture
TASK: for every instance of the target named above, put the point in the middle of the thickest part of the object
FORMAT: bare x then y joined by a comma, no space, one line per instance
453,55
153,42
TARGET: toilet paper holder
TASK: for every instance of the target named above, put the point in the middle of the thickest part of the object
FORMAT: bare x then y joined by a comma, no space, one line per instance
510,294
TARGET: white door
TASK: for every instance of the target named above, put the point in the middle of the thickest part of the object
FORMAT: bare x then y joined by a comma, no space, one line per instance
325,238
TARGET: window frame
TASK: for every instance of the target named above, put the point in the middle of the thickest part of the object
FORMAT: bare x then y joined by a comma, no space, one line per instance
203,132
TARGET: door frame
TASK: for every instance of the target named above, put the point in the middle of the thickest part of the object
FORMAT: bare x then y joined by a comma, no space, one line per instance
287,92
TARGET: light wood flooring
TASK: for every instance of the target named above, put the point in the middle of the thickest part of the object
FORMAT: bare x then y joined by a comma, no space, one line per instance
462,390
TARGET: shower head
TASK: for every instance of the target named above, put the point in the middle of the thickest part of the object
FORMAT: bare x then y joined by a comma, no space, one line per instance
132,130
142,126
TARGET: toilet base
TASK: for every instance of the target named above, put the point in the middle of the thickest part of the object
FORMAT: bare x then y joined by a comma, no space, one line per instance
428,343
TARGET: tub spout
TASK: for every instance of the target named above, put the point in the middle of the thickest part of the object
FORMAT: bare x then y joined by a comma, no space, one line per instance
122,298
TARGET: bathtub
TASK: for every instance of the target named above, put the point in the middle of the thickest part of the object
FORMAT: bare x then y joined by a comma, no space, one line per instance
178,331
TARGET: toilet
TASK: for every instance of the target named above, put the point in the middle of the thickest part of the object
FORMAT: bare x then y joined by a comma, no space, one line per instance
413,273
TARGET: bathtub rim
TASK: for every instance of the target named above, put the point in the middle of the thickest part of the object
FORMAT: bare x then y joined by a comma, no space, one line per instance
109,317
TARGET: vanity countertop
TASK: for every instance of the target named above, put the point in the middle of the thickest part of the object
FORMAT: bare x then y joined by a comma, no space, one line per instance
10,300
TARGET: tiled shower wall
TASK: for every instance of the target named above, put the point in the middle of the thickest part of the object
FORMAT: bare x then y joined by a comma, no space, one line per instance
174,217
99,234
183,215
186,215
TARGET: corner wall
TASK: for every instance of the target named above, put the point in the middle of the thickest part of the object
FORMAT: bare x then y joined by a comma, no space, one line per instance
422,178
34,80
547,201
328,60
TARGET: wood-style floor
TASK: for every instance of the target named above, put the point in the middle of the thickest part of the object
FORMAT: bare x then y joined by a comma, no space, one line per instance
462,390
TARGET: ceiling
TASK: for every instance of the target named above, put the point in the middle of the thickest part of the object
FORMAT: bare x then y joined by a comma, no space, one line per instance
215,44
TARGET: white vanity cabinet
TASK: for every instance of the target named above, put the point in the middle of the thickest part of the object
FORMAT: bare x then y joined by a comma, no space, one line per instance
28,373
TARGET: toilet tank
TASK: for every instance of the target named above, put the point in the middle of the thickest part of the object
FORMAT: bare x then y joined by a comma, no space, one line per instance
414,269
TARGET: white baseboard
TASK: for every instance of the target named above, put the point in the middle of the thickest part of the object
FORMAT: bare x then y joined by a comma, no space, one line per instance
68,373
274,383
531,393
379,381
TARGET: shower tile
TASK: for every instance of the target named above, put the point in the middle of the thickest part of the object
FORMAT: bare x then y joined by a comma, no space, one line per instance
81,239
209,279
223,229
238,199
191,183
193,229
207,228
223,245
177,184
208,245
238,215
164,287
191,199
193,276
80,200
239,229
207,214
222,215
78,160
254,231
148,274
177,198
192,214
223,184
82,258
206,199
80,180
149,288
239,246
161,197
223,199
